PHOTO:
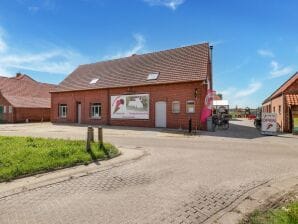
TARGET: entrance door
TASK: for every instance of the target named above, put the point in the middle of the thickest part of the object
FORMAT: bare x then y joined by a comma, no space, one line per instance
161,114
79,112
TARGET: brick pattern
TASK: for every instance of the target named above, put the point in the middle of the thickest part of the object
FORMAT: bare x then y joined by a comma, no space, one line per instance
181,92
83,200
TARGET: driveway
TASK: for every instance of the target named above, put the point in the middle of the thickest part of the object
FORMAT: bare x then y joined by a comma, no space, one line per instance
181,178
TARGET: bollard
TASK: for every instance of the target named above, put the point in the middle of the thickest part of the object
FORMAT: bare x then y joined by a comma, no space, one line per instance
91,134
100,136
189,125
90,137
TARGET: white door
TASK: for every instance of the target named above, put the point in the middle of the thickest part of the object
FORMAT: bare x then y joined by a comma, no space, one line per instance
161,114
79,113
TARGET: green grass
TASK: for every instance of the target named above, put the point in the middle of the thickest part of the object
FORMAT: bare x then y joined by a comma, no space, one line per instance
21,156
285,215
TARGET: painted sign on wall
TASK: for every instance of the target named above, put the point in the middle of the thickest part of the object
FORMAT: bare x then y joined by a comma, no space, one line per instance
269,125
130,106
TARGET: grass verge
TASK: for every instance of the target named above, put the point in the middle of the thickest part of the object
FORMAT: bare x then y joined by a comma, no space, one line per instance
285,215
21,156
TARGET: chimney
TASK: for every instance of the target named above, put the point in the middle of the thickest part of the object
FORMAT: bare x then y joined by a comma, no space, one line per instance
18,74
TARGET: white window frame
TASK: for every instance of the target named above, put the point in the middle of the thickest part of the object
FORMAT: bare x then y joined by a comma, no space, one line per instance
10,109
62,110
194,106
4,109
173,109
93,108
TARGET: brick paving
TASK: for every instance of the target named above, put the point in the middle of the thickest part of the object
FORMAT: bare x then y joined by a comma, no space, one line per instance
187,180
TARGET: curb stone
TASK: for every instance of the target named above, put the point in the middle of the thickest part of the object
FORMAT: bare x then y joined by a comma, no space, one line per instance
127,156
242,207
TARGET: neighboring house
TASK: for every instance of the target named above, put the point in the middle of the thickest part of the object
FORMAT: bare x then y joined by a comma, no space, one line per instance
284,102
160,89
24,99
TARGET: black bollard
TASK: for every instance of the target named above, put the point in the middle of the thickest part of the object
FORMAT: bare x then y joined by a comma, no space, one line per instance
189,125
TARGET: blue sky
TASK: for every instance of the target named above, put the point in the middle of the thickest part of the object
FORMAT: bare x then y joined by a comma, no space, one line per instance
255,41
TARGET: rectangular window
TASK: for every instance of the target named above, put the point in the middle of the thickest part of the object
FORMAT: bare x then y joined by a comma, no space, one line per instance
4,109
96,110
62,110
273,109
190,106
279,109
10,109
176,107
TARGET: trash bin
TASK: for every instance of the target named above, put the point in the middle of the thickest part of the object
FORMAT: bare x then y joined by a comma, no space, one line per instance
210,126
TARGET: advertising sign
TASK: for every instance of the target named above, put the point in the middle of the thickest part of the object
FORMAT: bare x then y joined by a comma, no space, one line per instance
269,125
130,106
207,109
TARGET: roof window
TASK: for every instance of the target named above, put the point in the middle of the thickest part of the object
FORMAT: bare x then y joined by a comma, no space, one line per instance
93,81
152,76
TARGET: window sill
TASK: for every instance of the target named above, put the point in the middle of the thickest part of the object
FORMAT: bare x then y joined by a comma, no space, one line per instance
95,118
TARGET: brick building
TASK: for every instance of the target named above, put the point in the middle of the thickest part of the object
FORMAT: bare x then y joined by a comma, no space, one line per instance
160,89
23,98
284,102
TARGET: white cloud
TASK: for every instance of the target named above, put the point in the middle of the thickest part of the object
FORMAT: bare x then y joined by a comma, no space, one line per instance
137,48
54,60
278,70
242,97
266,53
172,4
251,89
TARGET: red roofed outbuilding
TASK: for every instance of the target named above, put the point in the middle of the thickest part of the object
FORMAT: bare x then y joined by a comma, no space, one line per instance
284,102
24,99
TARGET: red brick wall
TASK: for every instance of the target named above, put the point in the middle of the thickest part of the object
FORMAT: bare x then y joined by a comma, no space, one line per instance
33,114
168,93
293,88
21,114
5,117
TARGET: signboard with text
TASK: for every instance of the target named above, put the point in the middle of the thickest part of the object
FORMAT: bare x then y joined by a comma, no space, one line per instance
130,106
269,125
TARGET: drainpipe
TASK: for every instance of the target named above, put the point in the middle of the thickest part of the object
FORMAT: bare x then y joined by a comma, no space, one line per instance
211,69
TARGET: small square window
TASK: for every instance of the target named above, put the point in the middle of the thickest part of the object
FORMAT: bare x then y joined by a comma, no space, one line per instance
93,81
152,76
95,110
176,107
62,110
190,106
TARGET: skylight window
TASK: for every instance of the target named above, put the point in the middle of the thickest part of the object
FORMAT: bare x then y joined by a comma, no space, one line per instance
93,81
152,76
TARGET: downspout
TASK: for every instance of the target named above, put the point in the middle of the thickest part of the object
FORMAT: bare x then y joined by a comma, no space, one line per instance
210,82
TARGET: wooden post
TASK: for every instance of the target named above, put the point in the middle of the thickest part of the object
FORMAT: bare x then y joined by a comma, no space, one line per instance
89,138
100,136
91,134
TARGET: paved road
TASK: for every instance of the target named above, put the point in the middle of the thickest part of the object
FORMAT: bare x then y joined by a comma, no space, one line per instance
182,179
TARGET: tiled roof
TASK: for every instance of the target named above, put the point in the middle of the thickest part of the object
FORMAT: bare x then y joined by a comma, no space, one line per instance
292,99
23,91
176,65
282,88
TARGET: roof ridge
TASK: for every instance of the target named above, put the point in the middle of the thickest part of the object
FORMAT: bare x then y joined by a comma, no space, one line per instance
284,83
148,53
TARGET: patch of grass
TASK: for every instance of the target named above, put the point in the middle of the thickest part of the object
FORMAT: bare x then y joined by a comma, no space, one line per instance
21,156
284,215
